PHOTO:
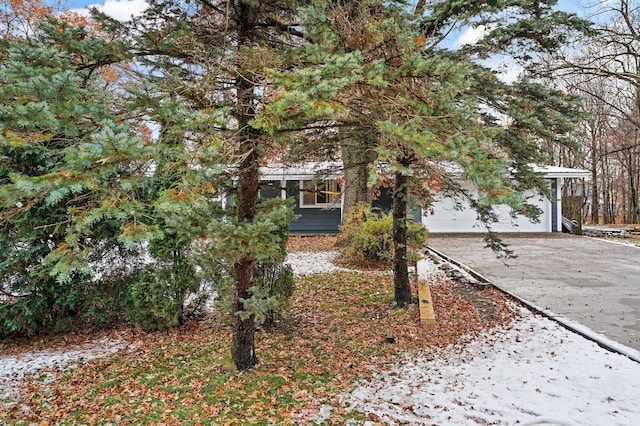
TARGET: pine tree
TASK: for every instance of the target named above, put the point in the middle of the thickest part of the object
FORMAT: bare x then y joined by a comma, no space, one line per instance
209,57
432,107
67,159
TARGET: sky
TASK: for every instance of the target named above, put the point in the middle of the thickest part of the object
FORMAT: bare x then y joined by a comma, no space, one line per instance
122,9
119,9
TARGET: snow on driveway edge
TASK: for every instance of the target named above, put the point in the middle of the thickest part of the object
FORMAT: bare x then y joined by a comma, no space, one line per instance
534,369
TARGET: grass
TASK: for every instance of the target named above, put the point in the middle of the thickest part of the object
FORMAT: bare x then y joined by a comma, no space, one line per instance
331,338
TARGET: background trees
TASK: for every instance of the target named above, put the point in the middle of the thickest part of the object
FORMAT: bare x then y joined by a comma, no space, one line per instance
604,73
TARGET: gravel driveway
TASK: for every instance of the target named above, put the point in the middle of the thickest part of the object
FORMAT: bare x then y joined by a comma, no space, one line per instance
593,282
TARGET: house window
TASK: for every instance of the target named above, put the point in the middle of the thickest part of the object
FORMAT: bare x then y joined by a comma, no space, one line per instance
320,193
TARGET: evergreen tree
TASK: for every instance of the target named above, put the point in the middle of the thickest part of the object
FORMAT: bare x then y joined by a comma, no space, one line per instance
437,112
66,163
209,57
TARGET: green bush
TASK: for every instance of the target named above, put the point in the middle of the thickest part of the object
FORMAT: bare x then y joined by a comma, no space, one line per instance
159,295
272,275
368,235
278,279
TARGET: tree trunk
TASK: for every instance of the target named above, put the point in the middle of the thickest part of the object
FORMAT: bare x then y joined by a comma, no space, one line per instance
401,285
356,158
633,189
606,192
595,196
242,345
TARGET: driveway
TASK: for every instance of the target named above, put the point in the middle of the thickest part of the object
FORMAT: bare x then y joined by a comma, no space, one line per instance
593,282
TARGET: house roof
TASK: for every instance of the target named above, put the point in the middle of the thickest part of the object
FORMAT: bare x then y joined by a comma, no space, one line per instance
549,172
334,169
301,171
561,172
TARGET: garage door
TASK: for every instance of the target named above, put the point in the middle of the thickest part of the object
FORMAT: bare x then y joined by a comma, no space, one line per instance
449,216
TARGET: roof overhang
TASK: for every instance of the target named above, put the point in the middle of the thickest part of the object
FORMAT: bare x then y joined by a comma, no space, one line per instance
302,171
552,172
549,172
335,169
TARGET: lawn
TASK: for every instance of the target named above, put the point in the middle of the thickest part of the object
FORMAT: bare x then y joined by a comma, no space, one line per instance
332,336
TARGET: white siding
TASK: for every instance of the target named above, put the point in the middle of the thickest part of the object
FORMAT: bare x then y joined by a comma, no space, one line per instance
446,218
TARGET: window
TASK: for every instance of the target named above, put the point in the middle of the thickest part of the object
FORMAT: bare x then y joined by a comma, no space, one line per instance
320,193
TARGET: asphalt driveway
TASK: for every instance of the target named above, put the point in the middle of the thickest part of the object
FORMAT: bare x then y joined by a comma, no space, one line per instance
589,281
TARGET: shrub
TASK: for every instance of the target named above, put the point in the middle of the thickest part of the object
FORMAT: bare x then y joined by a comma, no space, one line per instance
368,235
159,294
278,279
274,276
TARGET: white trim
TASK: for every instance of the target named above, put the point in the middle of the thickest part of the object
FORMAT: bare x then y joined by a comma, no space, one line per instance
301,171
283,190
559,204
551,172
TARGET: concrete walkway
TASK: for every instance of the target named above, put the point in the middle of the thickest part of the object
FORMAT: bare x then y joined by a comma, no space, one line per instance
593,282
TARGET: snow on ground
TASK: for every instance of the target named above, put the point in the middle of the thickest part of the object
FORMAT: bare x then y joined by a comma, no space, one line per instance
635,242
15,367
320,262
531,371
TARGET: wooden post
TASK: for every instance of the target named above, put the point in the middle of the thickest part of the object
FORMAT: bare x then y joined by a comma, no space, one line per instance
427,316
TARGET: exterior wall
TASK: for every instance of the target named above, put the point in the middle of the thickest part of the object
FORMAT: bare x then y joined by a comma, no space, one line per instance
312,220
451,217
447,217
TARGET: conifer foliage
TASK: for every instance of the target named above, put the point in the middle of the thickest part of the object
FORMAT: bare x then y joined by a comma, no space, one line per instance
209,58
100,218
438,114
66,192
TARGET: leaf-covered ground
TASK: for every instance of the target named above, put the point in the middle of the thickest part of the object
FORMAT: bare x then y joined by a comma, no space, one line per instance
332,336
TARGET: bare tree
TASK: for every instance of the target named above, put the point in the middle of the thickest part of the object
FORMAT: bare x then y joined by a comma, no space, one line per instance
605,72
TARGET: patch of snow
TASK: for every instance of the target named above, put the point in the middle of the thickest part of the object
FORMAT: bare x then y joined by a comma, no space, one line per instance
621,243
324,413
428,270
630,353
13,368
323,262
532,370
307,263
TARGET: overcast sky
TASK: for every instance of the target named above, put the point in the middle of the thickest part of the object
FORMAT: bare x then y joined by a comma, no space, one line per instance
122,9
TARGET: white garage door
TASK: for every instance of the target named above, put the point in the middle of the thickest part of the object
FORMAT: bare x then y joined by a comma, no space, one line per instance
447,217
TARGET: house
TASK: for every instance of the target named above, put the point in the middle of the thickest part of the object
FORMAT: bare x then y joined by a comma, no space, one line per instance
448,217
316,188
320,209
